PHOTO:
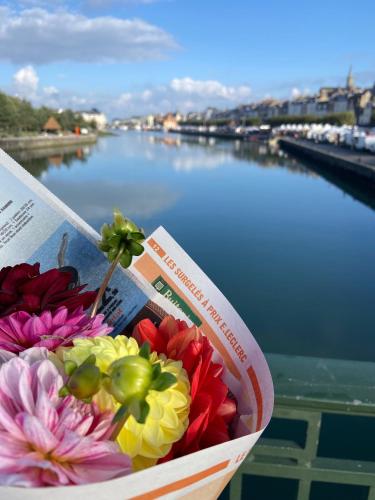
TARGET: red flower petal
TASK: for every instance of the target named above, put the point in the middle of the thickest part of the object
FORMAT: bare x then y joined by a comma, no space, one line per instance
146,331
211,411
23,288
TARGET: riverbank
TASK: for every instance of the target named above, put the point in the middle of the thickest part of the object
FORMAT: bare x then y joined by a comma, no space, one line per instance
349,161
216,135
11,144
254,135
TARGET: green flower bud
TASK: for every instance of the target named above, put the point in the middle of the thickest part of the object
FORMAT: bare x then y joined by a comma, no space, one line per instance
129,379
121,236
85,380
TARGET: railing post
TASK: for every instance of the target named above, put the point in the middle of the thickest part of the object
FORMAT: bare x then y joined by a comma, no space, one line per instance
371,493
312,435
235,490
304,490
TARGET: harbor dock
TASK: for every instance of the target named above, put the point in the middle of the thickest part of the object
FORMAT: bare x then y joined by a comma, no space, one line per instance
361,164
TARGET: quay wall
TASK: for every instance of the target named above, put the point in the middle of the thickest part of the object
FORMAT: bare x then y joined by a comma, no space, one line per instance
44,141
216,135
333,156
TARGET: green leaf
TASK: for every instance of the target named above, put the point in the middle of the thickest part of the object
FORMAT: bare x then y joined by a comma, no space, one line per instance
70,367
145,410
119,219
125,259
103,246
140,410
64,391
163,382
156,371
106,231
114,241
131,226
90,360
112,254
145,350
135,248
137,236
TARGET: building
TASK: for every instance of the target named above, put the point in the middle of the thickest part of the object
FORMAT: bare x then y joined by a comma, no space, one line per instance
95,116
329,100
52,126
150,121
169,122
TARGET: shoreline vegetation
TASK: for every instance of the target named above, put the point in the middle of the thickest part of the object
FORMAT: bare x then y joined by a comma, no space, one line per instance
18,117
23,126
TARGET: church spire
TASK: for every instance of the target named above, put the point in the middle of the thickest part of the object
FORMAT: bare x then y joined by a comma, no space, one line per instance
350,80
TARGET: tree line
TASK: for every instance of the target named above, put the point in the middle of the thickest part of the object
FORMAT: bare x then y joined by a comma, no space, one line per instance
18,117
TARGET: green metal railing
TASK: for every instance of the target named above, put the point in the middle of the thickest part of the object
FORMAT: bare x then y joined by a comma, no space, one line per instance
309,392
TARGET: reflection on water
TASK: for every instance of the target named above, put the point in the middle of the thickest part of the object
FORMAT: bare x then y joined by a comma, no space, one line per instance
37,161
279,236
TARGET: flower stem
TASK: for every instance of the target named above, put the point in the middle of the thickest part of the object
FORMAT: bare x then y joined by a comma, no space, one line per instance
121,417
105,282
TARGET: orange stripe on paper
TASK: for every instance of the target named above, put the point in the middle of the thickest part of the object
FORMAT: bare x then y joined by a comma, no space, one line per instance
182,483
258,396
156,247
151,270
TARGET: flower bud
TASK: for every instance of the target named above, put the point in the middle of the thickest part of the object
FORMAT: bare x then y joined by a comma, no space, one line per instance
129,378
121,236
84,381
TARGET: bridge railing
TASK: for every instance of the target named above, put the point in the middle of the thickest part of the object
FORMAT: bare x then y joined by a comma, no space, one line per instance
322,434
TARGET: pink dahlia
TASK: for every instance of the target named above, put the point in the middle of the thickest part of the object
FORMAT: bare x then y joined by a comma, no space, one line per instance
47,440
21,330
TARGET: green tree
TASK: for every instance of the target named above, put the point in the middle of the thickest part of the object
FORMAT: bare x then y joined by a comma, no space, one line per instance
8,114
18,116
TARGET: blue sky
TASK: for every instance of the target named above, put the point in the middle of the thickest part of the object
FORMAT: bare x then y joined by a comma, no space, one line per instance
129,56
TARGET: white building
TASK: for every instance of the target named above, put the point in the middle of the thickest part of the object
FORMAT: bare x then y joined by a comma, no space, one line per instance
95,116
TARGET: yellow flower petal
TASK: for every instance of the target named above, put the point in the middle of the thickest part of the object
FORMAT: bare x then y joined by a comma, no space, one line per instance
169,410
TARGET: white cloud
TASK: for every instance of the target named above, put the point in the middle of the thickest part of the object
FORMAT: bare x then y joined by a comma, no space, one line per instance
296,92
50,91
146,95
183,94
207,88
26,81
36,36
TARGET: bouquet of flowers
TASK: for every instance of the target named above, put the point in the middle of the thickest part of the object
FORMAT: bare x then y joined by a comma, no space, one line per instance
139,412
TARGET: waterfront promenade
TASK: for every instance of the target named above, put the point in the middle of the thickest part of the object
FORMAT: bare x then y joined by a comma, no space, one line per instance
10,144
359,163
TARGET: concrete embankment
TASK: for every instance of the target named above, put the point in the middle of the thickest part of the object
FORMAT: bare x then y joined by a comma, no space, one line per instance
216,135
10,144
338,158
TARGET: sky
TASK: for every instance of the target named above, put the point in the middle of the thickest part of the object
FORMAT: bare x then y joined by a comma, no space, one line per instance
129,57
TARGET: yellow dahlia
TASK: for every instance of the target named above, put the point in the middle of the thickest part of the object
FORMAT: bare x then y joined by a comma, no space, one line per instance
169,409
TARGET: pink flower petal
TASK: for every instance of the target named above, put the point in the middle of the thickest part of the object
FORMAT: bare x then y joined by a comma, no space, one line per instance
36,434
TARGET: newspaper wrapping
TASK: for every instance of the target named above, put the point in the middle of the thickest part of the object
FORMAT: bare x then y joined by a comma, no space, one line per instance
35,226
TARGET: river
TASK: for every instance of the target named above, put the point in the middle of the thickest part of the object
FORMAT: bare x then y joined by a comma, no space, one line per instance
292,247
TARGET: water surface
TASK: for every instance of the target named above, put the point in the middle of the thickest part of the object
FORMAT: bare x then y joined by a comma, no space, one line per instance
292,247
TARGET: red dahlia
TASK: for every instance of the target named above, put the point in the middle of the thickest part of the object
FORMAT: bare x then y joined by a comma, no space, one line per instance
211,410
24,288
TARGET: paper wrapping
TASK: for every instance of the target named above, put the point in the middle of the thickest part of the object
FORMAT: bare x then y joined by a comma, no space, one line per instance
177,285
